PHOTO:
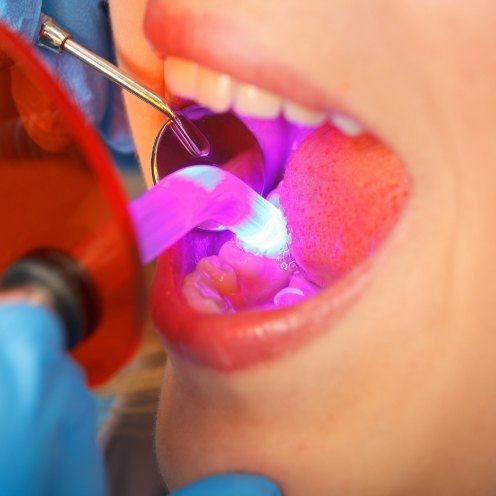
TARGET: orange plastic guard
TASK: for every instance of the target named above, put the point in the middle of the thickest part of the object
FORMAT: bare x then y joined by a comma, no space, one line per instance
59,190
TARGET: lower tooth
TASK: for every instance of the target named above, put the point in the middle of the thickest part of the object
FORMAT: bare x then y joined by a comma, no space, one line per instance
201,296
288,296
298,290
274,196
235,279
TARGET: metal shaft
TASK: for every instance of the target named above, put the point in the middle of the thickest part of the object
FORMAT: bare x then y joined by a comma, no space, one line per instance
53,37
118,77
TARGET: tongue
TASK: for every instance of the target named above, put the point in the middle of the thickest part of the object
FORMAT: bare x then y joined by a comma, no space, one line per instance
341,196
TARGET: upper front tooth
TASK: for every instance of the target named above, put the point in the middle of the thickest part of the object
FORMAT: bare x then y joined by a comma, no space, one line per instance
181,76
215,90
347,125
301,115
253,101
219,92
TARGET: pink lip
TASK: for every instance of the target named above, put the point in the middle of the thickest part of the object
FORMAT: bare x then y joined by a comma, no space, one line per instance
212,41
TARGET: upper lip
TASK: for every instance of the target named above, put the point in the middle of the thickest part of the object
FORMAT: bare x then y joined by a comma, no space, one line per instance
234,341
216,44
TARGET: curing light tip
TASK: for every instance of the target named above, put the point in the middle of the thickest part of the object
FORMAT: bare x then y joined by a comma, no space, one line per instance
265,231
211,198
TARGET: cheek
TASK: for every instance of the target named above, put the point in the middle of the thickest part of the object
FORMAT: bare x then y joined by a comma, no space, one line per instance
138,59
341,197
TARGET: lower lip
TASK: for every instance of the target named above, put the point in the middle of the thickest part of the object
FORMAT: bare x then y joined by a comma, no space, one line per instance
237,341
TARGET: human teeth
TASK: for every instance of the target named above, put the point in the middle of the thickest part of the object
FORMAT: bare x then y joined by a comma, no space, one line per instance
215,90
201,294
220,92
301,115
181,76
256,102
347,125
298,289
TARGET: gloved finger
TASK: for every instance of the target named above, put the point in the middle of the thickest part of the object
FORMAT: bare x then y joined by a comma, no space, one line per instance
40,117
22,323
78,463
30,337
230,485
46,412
88,22
22,16
115,127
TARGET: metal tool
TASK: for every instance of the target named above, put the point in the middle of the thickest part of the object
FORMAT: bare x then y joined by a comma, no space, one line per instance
53,37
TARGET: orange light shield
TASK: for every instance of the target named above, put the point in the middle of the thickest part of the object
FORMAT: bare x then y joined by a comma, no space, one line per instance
59,190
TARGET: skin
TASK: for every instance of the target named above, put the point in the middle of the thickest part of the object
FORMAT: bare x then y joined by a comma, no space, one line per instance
398,398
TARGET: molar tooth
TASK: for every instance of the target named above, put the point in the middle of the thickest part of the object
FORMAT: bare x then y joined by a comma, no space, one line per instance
347,125
255,102
301,115
200,294
181,77
221,273
214,90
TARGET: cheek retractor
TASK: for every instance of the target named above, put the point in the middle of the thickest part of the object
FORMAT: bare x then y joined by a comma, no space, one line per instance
211,198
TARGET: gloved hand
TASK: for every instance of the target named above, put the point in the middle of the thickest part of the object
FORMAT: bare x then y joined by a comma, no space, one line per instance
87,20
47,416
230,485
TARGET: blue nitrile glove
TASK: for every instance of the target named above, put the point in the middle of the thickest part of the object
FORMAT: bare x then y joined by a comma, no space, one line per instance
230,485
47,416
88,21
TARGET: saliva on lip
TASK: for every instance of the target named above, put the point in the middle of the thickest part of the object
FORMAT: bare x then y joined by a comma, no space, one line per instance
211,198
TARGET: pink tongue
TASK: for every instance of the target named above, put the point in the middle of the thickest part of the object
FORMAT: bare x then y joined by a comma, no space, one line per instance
341,196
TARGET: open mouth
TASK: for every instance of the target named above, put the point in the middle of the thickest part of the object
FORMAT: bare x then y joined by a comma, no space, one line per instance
341,190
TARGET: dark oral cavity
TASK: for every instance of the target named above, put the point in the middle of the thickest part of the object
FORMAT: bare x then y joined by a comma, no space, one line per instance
341,196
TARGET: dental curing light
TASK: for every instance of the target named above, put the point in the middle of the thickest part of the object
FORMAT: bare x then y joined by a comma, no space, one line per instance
208,197
68,238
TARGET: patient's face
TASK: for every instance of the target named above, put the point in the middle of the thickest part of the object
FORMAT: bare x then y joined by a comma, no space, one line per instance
365,365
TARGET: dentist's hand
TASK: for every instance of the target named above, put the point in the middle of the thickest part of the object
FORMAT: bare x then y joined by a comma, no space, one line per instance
87,20
47,416
230,485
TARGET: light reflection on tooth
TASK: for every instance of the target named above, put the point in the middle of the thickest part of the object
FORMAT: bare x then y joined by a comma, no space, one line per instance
220,92
301,115
253,101
215,90
181,77
347,125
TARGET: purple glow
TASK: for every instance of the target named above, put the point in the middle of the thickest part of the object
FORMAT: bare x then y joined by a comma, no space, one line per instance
198,194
